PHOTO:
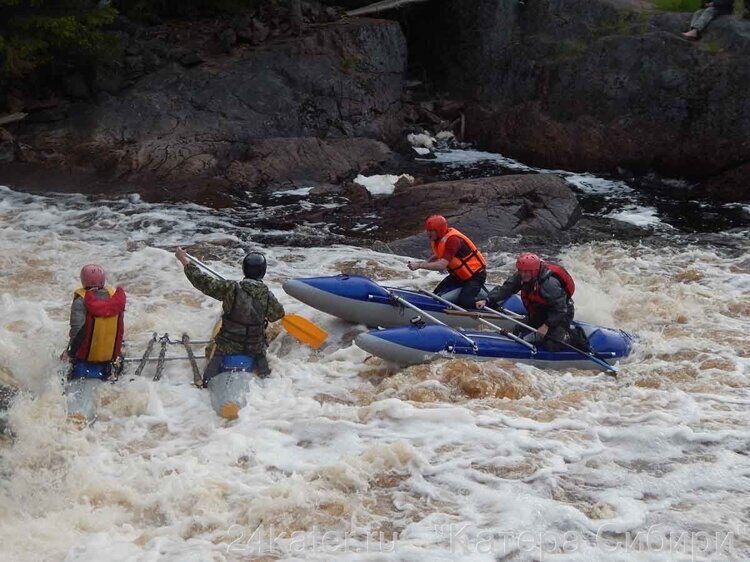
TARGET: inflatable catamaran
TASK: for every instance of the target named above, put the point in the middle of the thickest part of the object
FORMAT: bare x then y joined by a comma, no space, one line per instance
418,326
228,389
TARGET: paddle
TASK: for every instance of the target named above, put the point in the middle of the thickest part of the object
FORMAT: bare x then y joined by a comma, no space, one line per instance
406,303
591,356
464,312
298,327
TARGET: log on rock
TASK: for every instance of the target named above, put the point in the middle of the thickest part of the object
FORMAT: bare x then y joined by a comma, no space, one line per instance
12,118
381,7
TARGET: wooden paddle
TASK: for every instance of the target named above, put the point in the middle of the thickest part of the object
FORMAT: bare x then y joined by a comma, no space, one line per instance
296,326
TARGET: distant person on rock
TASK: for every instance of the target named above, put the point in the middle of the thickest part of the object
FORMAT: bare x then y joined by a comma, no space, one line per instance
702,18
456,253
248,306
546,291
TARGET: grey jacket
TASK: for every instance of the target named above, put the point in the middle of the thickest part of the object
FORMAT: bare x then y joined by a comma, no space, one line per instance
559,308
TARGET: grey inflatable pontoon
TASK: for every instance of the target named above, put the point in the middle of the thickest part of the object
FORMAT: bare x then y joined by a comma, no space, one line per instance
81,399
229,392
362,301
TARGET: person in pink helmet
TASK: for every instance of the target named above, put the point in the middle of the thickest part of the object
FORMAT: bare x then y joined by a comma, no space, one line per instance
96,319
454,252
547,293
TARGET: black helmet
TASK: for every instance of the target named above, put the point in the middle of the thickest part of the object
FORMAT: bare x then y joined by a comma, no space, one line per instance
254,265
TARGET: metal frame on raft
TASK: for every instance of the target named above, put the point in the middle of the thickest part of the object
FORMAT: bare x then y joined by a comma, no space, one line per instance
405,303
164,341
458,331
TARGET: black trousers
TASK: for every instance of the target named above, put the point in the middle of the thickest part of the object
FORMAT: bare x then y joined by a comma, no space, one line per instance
469,289
561,332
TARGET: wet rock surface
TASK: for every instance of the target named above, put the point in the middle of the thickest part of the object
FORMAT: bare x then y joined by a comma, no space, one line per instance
481,208
540,205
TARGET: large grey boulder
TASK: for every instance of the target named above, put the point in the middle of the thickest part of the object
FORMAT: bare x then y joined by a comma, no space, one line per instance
483,208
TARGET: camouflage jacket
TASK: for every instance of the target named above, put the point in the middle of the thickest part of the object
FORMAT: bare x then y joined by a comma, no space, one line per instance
224,291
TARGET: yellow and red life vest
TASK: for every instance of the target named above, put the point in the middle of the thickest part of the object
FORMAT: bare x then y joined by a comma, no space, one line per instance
532,298
102,340
464,267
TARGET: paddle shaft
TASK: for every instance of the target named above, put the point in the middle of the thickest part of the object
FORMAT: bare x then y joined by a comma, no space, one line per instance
198,262
432,319
509,312
470,314
591,356
494,327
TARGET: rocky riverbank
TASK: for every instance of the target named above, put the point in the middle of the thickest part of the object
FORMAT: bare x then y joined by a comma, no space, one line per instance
304,109
219,111
594,85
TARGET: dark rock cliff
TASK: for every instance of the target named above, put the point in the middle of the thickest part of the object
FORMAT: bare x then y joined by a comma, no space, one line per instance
592,84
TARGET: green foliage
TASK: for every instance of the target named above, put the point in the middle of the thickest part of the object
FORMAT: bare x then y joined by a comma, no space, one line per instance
353,63
711,47
566,50
643,17
625,23
678,5
152,10
34,33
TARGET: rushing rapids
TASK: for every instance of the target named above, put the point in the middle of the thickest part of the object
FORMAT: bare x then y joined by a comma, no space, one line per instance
341,454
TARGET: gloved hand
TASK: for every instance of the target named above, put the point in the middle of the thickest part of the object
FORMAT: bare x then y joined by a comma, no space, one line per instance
532,337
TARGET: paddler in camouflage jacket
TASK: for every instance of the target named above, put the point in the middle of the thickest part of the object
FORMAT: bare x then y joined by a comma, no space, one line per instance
248,306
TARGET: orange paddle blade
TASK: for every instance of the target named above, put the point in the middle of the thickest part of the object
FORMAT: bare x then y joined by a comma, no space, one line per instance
303,330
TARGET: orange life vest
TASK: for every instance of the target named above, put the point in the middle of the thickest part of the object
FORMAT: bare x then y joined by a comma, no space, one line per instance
463,268
102,340
533,299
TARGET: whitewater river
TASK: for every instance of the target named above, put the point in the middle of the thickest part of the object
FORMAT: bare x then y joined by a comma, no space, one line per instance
341,456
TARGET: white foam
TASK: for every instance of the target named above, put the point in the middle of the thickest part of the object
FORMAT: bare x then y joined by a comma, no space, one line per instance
591,184
421,139
445,136
465,156
335,442
384,184
302,191
637,215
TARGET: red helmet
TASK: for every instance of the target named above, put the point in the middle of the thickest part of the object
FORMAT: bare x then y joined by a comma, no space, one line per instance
93,275
529,262
437,223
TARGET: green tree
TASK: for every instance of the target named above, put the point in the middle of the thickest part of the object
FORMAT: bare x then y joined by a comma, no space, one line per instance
152,10
35,33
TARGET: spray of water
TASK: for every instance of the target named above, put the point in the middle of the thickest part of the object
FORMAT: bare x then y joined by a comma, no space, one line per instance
453,460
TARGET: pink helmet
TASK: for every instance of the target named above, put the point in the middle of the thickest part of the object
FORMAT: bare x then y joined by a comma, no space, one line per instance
93,275
529,262
436,223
